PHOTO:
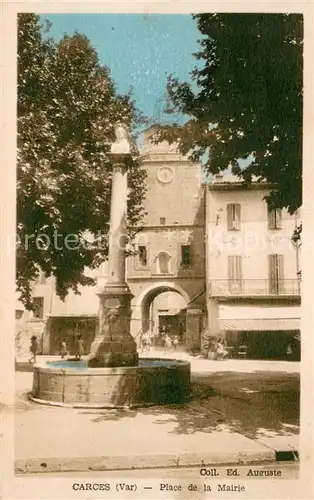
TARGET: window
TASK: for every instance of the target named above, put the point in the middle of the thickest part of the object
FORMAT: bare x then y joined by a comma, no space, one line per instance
142,255
38,311
235,273
18,313
275,270
186,258
275,219
162,221
163,263
233,216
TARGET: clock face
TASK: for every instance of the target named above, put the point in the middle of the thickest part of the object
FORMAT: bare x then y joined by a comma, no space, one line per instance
165,174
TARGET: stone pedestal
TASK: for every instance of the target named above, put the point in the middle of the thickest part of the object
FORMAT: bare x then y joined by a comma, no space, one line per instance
113,344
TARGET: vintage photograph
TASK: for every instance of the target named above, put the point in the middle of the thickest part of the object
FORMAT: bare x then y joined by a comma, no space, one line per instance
158,251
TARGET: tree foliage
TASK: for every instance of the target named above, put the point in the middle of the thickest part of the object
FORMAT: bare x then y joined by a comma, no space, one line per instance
248,101
67,109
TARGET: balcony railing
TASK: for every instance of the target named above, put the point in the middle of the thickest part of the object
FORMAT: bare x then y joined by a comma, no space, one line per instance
254,287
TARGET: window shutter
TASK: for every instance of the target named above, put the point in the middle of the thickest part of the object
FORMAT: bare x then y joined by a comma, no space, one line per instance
229,216
271,219
235,273
276,273
238,267
233,216
279,219
275,219
272,267
280,272
235,267
272,273
237,215
230,268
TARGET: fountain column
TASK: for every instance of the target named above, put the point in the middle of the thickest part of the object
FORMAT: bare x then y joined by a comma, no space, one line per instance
114,344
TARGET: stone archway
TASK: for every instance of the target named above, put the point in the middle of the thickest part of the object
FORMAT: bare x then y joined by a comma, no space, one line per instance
146,298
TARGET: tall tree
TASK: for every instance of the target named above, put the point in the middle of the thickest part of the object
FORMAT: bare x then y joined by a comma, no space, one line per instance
248,100
67,109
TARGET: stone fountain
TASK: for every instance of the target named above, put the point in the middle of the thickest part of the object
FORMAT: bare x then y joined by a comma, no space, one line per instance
113,375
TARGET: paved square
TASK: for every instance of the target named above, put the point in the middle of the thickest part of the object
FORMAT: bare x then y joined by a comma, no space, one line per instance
236,417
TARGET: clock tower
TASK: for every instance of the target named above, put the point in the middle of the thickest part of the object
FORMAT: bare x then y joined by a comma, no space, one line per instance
170,248
174,184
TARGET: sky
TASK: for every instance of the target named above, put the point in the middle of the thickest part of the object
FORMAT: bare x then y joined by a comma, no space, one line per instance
140,50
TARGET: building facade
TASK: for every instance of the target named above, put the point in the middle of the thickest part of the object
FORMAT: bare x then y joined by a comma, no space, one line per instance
252,270
166,276
171,247
210,257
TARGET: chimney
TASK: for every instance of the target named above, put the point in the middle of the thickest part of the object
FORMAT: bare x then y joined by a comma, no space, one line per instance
218,178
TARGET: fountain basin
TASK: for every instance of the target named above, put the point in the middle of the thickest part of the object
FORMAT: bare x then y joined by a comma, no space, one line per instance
153,381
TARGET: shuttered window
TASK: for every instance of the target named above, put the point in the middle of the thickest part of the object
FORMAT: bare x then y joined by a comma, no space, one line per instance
233,216
275,219
235,273
276,274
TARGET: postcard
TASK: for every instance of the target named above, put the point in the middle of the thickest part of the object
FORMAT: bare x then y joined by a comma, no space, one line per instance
156,250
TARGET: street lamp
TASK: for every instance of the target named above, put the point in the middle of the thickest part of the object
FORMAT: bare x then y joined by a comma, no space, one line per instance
296,240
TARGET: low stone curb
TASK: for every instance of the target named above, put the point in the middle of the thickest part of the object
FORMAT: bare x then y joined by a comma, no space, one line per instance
73,464
94,406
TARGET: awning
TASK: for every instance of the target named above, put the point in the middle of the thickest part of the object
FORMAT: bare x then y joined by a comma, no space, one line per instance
73,316
260,324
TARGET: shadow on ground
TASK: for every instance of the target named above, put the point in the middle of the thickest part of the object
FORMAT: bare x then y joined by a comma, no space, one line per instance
254,405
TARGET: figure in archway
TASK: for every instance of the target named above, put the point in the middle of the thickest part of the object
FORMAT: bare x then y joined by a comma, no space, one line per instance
145,343
163,304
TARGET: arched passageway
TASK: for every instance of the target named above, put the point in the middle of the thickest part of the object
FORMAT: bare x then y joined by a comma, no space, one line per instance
163,306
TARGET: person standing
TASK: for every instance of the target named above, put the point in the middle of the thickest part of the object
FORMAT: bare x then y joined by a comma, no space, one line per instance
146,343
221,350
64,349
79,347
175,341
168,341
33,349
